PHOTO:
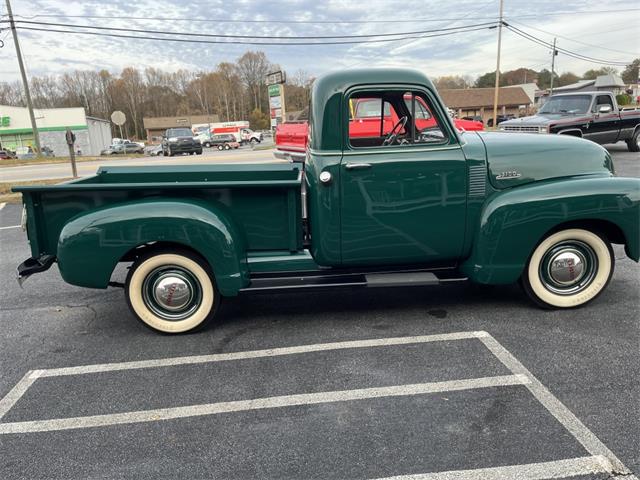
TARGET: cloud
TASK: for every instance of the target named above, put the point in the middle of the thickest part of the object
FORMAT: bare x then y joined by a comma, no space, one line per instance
471,53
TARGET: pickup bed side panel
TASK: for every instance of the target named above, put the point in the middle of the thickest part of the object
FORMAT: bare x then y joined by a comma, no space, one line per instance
514,221
91,244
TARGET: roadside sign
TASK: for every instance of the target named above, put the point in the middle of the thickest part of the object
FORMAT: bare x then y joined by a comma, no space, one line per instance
118,118
274,90
276,77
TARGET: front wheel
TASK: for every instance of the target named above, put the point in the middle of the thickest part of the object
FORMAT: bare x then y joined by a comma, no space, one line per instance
172,291
633,144
568,269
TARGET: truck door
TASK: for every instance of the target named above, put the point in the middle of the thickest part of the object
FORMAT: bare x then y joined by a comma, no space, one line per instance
403,191
604,127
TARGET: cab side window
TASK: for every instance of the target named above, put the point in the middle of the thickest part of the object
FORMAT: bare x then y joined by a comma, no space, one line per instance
602,100
392,118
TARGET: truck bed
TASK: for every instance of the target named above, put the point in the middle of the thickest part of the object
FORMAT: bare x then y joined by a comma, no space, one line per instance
264,200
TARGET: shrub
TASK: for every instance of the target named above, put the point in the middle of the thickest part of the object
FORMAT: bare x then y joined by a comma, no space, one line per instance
623,99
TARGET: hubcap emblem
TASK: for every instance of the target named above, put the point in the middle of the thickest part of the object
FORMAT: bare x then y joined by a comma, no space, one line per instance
567,267
172,293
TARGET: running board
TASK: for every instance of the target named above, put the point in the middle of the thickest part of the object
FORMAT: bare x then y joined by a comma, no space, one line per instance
392,279
403,279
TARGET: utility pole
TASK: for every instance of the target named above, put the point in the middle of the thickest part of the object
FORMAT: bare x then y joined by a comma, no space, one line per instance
25,82
553,65
497,86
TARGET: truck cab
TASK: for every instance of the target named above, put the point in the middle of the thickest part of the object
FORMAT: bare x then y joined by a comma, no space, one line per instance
593,116
407,202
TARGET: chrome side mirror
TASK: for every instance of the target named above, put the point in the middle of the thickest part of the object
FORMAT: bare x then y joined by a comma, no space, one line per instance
604,109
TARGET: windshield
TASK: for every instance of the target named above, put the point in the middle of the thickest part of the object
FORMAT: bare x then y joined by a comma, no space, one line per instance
179,132
567,104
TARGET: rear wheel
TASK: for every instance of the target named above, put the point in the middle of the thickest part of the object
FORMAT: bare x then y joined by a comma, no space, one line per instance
568,269
207,144
172,291
633,144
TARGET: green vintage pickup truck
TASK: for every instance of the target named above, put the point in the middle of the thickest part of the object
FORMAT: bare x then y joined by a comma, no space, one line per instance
407,206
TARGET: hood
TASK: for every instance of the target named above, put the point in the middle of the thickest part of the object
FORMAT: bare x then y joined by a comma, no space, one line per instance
537,119
519,158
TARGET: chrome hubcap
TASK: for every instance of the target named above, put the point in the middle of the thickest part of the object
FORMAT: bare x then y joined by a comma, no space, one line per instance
568,267
172,293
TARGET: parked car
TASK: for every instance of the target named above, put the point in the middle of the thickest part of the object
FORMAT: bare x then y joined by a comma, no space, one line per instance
591,115
291,137
500,119
224,141
405,207
180,140
7,155
249,136
122,148
153,150
474,118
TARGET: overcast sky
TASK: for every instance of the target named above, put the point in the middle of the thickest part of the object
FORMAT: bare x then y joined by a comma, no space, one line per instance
609,36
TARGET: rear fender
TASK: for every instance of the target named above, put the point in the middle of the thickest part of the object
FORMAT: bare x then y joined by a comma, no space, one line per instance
514,221
91,244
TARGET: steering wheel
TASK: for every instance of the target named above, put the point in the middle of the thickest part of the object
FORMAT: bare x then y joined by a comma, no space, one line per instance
391,136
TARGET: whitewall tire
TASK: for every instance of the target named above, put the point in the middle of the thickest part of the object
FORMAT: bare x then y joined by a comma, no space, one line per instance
172,291
568,269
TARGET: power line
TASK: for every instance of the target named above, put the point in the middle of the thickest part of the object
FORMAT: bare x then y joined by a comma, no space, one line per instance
569,53
248,42
269,37
341,22
574,40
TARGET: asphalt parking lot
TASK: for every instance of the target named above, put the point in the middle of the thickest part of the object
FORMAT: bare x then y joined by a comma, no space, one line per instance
453,382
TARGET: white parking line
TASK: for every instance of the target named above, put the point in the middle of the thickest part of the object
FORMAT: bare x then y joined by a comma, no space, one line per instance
570,467
582,434
258,403
2,205
11,226
602,460
272,352
17,391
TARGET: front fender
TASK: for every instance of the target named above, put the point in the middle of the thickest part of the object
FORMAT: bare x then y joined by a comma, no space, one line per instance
91,244
514,221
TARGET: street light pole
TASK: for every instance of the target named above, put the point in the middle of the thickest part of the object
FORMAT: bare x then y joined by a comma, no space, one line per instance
497,86
25,82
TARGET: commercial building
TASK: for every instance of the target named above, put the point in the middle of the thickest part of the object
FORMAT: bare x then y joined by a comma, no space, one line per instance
472,102
92,134
156,126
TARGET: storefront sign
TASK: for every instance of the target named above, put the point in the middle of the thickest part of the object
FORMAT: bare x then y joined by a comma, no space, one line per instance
5,121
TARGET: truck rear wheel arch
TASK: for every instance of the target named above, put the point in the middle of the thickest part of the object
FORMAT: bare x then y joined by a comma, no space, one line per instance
123,232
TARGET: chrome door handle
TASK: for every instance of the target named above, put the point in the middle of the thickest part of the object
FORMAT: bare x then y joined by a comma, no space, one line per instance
357,166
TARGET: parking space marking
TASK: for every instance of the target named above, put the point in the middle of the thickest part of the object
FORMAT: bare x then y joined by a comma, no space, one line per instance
17,391
2,205
570,467
602,460
258,404
11,226
582,434
272,352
